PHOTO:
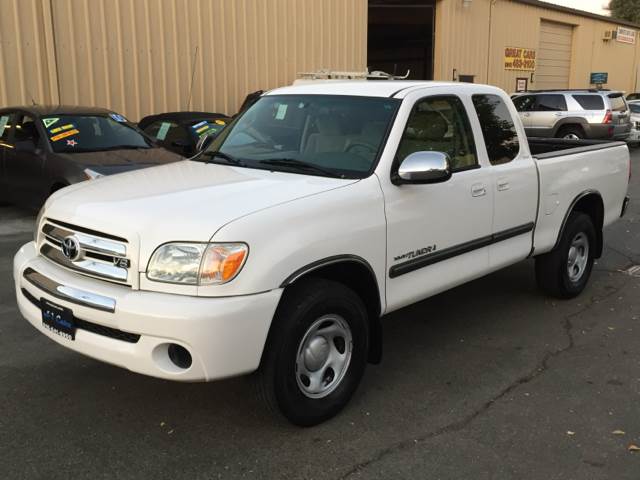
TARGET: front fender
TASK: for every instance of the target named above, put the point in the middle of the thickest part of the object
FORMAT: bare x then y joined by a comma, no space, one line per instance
283,239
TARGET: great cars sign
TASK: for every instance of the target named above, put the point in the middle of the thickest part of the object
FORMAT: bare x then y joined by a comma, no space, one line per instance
516,58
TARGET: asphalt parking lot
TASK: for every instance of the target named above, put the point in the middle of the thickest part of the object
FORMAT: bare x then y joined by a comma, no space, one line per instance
488,381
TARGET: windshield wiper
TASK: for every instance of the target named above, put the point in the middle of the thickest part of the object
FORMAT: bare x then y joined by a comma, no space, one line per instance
300,165
225,156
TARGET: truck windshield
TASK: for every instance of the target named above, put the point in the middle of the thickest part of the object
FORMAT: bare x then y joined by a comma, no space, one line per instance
92,133
312,134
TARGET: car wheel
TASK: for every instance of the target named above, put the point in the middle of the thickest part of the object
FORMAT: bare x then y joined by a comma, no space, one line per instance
571,133
316,352
565,271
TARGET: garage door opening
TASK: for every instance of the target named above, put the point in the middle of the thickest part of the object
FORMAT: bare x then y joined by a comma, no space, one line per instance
400,37
554,57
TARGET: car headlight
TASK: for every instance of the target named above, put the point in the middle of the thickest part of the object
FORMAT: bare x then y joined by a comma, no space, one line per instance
92,174
197,263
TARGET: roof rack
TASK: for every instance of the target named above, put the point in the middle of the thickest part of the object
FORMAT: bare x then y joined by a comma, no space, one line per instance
590,90
340,75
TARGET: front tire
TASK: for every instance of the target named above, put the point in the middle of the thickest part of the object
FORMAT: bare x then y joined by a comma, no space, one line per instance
316,352
565,271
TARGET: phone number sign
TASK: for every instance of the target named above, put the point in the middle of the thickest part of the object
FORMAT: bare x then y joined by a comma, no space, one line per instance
523,59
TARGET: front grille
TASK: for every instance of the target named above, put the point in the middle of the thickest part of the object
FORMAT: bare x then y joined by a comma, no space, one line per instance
91,327
99,255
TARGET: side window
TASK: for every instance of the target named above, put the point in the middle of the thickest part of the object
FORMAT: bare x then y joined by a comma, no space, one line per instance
440,124
551,103
5,127
526,103
590,102
498,129
26,129
617,103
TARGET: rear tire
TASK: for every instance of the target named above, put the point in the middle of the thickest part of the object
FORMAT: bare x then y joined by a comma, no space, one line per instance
571,133
316,352
565,271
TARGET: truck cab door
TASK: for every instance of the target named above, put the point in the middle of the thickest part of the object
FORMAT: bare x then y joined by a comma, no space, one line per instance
515,180
24,162
437,234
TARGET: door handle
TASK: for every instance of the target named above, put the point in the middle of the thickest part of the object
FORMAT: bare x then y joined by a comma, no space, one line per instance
478,190
503,184
558,114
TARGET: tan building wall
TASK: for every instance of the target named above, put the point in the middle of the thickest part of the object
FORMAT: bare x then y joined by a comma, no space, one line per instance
464,35
138,56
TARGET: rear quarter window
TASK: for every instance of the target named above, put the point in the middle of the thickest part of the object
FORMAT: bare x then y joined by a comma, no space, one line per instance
618,104
590,102
498,129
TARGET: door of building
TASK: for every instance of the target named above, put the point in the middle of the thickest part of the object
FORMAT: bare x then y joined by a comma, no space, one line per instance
400,37
554,56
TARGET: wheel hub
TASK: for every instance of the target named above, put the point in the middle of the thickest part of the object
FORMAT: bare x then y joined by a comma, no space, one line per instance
324,355
578,257
316,353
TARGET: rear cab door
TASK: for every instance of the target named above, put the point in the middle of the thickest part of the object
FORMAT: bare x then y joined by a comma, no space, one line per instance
514,178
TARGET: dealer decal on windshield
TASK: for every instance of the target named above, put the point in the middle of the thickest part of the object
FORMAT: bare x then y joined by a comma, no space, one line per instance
3,124
205,127
68,126
66,134
50,121
117,117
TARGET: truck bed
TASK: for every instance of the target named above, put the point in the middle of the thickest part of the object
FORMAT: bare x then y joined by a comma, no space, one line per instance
542,148
568,169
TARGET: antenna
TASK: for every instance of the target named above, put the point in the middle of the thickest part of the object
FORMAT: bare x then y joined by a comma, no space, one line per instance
193,76
33,102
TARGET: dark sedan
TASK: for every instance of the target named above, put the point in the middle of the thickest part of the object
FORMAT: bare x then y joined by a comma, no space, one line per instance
43,149
180,131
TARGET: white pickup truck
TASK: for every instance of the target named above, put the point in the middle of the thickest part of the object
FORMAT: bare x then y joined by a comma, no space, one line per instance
317,211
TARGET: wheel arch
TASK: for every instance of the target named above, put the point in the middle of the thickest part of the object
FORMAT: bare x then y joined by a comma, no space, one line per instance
571,122
590,203
356,273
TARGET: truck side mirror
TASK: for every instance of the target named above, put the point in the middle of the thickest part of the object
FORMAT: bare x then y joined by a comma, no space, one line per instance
424,167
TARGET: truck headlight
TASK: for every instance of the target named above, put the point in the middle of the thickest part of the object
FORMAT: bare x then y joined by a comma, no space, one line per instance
197,263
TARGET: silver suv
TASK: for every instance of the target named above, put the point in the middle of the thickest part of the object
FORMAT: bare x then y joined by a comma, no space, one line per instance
574,114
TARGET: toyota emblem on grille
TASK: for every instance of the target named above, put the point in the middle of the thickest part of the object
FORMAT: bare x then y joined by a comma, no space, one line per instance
71,248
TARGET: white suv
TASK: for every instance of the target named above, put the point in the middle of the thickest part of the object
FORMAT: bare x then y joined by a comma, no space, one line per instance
574,114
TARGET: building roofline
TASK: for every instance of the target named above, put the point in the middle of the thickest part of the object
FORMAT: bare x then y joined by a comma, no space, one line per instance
581,13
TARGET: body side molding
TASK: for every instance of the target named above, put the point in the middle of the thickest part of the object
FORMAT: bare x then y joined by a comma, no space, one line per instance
447,253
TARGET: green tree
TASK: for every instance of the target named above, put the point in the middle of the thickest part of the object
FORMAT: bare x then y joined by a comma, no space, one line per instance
625,10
